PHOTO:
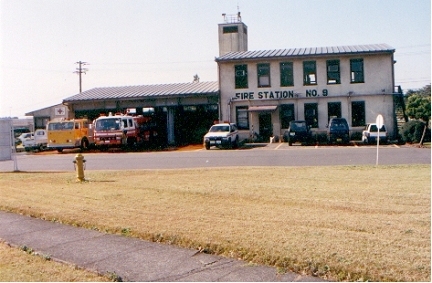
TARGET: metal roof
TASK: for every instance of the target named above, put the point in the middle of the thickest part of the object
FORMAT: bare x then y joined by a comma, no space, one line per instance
147,91
311,51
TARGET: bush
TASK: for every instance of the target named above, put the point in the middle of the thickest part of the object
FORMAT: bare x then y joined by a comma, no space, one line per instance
356,136
412,131
321,138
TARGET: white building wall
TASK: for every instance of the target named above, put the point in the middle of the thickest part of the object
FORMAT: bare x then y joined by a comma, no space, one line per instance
376,91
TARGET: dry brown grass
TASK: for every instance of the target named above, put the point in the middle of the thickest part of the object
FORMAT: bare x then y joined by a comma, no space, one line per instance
17,265
339,223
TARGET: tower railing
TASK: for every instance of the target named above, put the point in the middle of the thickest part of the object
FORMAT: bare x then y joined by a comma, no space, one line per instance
236,18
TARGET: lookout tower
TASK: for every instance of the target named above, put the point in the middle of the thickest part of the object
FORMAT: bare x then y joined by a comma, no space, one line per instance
232,34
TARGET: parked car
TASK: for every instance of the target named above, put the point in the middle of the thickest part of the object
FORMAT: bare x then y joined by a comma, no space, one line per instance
338,131
38,141
298,131
370,134
23,137
223,135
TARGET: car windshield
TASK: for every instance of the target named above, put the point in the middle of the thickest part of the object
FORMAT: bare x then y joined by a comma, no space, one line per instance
338,125
107,124
219,128
298,126
374,128
59,126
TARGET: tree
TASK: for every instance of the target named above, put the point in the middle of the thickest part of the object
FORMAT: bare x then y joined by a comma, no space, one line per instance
419,106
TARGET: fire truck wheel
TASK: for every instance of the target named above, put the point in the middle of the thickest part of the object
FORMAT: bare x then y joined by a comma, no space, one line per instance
84,144
130,142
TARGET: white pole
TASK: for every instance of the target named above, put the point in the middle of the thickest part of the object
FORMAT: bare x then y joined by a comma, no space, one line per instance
13,147
379,123
378,138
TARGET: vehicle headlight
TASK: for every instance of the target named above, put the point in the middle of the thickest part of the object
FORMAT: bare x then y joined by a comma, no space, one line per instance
292,133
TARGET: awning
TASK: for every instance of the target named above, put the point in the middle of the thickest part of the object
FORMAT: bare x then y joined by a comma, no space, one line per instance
269,108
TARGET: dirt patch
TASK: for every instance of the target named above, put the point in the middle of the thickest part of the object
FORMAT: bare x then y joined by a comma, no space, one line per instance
190,147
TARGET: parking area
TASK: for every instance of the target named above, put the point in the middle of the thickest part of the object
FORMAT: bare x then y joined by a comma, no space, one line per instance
285,146
243,146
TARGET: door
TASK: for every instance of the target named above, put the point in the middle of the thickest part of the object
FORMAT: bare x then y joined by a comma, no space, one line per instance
265,126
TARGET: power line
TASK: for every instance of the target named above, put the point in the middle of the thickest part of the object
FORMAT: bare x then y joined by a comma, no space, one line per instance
154,62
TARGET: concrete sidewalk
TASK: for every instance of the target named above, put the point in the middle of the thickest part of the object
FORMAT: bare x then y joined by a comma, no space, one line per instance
129,258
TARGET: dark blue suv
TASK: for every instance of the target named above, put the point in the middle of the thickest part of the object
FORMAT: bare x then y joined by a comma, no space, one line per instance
338,131
298,131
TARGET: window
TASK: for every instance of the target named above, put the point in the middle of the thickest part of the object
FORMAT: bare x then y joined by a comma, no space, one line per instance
263,71
230,29
286,74
333,72
358,113
311,114
242,117
241,80
190,108
357,73
41,122
309,73
286,115
334,110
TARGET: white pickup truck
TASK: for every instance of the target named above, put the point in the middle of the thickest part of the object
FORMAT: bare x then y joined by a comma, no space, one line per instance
38,141
370,134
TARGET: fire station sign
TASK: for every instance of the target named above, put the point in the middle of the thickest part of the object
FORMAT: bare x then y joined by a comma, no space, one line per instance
279,94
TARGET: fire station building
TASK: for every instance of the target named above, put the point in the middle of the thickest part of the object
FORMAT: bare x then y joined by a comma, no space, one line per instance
262,91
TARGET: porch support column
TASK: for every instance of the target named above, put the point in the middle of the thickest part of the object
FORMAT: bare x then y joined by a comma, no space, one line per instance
170,125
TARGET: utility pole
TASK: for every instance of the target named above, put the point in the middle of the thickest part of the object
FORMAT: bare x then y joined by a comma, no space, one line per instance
79,71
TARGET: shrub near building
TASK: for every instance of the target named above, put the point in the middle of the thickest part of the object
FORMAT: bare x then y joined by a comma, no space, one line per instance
418,107
412,131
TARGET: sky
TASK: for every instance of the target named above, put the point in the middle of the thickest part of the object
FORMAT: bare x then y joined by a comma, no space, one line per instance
141,42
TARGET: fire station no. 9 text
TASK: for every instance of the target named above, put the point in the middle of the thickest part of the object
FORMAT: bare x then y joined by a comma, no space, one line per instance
278,94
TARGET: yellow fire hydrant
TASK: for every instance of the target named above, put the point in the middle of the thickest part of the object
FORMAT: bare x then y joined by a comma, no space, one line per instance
79,163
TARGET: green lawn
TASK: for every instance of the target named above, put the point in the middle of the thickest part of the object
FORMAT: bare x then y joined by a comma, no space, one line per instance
339,223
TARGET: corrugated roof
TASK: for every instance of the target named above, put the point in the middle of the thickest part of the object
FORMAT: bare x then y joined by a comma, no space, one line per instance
147,91
311,51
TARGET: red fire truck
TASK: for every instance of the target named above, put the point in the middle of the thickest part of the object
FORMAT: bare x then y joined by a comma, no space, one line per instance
121,130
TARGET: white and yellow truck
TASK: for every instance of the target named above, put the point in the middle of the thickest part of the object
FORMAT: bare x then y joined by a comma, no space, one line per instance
69,134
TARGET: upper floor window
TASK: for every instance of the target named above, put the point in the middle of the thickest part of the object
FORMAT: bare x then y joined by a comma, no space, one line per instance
286,74
241,76
357,72
333,72
263,71
230,29
309,73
